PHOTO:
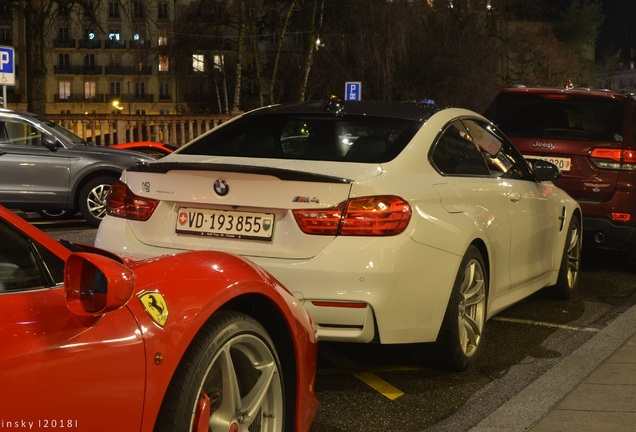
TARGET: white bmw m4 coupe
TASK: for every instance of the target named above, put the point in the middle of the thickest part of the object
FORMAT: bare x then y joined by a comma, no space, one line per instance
390,222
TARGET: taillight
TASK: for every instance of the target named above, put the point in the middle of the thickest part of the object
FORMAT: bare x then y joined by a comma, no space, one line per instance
365,216
121,202
614,158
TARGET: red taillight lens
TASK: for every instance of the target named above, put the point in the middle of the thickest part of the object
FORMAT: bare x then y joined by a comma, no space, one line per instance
622,217
365,216
602,157
121,202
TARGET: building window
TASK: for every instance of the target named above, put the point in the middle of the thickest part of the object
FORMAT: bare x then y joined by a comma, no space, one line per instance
140,112
164,111
114,35
64,34
218,62
63,61
89,9
162,10
66,111
164,90
113,9
63,9
140,90
114,64
198,63
89,61
162,39
115,88
164,63
138,9
5,35
89,34
90,90
64,90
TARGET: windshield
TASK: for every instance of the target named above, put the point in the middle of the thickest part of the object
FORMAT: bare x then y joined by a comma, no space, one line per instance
70,136
560,116
308,137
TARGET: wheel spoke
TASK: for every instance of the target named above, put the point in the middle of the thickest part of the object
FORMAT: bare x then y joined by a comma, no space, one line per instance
252,402
470,331
231,400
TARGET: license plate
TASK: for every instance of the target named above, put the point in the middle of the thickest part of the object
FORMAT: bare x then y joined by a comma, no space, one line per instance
223,223
564,164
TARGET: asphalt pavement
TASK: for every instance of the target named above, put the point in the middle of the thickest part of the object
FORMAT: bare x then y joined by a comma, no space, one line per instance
593,389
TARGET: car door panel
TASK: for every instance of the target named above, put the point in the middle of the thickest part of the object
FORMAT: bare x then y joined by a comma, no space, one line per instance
34,173
49,350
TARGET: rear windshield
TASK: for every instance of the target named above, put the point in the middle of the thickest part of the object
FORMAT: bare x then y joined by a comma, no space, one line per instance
293,136
571,117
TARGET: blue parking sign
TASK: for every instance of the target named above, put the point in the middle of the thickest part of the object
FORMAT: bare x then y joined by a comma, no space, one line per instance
353,91
7,66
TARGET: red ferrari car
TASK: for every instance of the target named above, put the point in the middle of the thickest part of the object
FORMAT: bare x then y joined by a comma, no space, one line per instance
151,148
196,341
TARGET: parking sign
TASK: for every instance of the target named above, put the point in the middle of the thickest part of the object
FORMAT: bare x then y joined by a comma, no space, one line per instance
7,66
353,91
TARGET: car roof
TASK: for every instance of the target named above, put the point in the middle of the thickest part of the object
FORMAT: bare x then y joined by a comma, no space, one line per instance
579,91
22,113
412,110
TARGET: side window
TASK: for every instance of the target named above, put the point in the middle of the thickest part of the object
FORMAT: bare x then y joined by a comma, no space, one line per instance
19,133
455,153
503,159
20,262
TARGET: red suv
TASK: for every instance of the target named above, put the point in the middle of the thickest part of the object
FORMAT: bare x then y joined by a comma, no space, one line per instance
590,136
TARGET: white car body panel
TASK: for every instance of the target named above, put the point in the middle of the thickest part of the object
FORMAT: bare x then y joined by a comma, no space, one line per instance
403,282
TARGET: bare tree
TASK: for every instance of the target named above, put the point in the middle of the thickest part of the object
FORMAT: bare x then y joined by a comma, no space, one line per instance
37,15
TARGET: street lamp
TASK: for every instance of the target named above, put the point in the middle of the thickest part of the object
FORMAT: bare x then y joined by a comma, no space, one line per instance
117,106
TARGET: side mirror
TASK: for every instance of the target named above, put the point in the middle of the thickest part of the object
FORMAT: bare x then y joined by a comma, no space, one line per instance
96,284
544,170
49,141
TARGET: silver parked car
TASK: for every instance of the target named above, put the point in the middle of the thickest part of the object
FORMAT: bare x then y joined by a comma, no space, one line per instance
46,168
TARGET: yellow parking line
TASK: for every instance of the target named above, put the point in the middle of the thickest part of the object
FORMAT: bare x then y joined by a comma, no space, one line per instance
370,379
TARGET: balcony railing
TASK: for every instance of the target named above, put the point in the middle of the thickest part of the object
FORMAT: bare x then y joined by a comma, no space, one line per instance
91,44
65,43
106,130
128,70
79,97
115,44
139,44
77,70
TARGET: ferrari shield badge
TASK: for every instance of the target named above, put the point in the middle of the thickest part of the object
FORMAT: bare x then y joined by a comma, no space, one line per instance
155,305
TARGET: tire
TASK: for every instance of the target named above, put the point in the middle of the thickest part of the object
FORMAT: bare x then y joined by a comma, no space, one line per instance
461,335
92,199
231,357
56,214
568,278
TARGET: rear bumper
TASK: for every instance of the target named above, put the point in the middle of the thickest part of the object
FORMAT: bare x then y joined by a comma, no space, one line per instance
603,234
358,289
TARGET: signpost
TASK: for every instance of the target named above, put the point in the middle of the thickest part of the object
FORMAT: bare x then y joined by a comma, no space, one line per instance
353,91
7,71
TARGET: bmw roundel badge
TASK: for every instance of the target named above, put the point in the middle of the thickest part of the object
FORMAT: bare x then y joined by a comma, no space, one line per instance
221,187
